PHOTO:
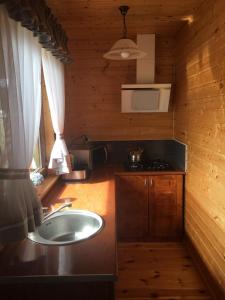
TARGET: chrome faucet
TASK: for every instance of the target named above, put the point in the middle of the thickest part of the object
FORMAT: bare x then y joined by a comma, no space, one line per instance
66,204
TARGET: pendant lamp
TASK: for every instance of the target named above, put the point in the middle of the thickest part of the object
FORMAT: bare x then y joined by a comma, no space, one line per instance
124,49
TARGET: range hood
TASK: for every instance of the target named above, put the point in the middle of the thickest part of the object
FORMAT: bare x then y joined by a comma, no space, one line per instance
145,95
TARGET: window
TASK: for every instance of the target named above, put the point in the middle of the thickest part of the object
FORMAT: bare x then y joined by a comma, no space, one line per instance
38,163
2,133
46,136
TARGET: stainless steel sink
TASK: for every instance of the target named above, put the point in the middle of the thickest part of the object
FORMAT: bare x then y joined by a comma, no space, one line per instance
66,227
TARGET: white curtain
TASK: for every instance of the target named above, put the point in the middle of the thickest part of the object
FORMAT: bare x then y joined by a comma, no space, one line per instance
20,108
54,80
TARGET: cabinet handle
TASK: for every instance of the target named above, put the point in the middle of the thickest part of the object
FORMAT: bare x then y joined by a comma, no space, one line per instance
151,182
145,181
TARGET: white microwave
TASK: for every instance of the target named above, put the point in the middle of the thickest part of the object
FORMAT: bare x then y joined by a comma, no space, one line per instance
143,98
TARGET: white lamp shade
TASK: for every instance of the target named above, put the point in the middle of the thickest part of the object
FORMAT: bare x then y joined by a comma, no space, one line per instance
124,49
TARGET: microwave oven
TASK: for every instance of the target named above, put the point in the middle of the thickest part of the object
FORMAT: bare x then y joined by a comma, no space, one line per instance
88,156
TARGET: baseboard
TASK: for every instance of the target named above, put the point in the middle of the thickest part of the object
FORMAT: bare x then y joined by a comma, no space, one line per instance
216,291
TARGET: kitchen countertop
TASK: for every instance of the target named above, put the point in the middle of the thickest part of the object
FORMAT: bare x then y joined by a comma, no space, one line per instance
90,260
119,170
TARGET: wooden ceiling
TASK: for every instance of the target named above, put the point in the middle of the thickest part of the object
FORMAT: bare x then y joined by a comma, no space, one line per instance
102,19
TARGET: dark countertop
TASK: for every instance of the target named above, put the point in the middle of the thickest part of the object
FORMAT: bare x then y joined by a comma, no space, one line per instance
119,170
91,260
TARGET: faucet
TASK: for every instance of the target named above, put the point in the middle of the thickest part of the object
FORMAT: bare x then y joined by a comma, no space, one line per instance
66,204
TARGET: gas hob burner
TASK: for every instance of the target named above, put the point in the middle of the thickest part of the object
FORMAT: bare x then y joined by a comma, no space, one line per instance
153,165
134,166
158,165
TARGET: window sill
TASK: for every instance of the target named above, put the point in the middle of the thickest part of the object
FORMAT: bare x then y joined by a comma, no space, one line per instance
46,186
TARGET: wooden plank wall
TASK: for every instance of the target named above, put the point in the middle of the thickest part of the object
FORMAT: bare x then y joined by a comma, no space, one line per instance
200,122
93,98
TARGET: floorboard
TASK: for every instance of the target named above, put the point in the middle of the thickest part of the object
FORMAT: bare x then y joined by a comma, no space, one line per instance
161,271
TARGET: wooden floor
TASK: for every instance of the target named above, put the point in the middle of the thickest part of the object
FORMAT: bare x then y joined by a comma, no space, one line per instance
157,271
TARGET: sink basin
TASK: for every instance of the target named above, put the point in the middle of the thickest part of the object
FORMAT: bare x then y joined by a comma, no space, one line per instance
67,227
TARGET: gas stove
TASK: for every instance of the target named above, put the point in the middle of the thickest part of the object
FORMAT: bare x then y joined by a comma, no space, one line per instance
152,165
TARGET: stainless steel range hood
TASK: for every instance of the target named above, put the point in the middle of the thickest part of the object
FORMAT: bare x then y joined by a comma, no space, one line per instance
145,95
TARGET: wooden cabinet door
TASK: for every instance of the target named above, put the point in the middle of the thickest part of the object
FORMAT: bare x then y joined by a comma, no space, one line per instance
132,207
165,206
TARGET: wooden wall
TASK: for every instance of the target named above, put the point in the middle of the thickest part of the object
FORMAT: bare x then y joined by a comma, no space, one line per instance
200,122
93,93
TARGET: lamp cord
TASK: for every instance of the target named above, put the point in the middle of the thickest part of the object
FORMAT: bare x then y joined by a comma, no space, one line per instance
123,9
124,27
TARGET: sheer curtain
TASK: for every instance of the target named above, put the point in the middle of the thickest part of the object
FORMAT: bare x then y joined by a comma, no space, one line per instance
20,108
54,80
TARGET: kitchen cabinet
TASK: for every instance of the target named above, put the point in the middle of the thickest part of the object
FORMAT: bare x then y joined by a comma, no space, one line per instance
57,289
165,206
132,207
81,271
149,207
